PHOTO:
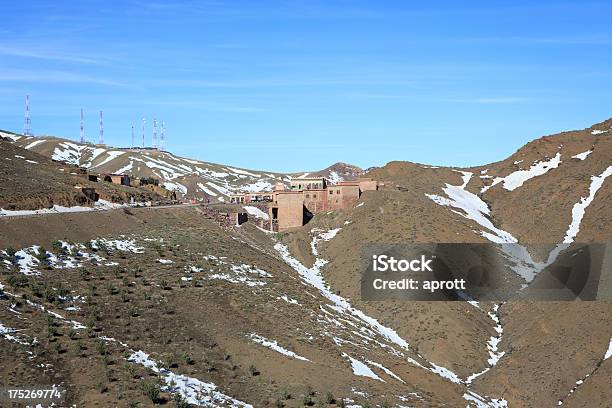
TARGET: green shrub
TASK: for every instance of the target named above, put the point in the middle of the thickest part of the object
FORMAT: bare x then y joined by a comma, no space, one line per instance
308,401
151,390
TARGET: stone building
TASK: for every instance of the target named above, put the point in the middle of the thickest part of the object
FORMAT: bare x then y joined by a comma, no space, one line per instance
122,179
307,196
295,206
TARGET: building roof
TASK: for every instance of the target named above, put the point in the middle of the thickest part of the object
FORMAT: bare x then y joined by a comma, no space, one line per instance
308,178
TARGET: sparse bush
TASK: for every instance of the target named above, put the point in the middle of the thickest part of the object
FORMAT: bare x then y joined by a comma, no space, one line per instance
43,258
253,370
59,349
112,289
58,247
285,394
62,291
151,390
101,347
12,255
102,387
110,375
188,359
49,294
308,401
329,398
180,401
17,281
51,330
84,274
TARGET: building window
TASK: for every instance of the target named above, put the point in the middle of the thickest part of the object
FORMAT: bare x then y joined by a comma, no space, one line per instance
307,195
331,191
314,196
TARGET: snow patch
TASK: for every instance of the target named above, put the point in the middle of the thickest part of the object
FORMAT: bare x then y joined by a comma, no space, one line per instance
579,208
34,143
193,390
516,179
273,345
583,155
168,185
206,190
361,369
609,352
256,212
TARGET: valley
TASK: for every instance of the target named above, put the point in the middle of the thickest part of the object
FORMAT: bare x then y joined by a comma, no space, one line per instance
144,306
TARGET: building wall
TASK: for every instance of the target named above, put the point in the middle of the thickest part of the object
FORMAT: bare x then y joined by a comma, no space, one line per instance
290,210
350,195
368,185
120,179
342,195
315,200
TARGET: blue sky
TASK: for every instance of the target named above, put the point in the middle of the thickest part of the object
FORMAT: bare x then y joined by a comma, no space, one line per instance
299,85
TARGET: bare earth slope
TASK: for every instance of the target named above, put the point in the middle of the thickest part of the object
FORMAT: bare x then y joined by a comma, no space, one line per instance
33,181
121,300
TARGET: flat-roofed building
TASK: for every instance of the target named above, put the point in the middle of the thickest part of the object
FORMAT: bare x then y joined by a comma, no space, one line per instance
122,179
293,207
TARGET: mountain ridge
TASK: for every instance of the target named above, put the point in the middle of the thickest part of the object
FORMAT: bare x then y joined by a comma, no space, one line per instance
189,178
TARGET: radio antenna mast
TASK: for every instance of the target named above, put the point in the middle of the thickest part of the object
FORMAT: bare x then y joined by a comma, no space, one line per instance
27,125
82,128
163,136
101,129
143,133
154,133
